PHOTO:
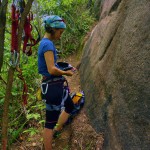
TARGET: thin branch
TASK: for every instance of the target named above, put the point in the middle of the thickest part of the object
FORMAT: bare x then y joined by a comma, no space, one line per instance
3,5
16,118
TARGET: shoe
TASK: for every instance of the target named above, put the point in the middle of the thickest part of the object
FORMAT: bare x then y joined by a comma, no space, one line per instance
56,133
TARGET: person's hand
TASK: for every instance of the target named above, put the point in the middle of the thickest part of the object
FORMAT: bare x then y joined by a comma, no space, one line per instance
73,69
69,73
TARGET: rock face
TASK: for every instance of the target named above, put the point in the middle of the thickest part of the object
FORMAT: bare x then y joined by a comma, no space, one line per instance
115,74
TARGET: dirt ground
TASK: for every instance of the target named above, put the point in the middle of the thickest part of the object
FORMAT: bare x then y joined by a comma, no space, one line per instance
79,135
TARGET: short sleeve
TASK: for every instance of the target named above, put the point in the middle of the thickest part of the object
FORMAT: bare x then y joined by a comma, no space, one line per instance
48,46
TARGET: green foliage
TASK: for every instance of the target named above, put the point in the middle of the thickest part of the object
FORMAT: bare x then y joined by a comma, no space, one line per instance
31,131
33,115
15,133
79,20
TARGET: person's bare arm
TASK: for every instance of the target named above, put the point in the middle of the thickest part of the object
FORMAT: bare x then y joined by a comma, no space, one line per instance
49,57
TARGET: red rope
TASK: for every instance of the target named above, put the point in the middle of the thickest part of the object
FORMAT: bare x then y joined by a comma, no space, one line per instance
25,88
14,44
28,36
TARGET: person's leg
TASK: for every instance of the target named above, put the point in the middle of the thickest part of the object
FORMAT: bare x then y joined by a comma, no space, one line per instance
63,117
48,136
61,120
51,119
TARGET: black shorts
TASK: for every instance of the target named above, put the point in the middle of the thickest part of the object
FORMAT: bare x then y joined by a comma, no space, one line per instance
54,96
52,116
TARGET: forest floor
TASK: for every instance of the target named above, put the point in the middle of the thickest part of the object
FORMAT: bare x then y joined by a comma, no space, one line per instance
78,135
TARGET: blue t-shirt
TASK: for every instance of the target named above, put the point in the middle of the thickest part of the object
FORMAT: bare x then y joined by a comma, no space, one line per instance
45,45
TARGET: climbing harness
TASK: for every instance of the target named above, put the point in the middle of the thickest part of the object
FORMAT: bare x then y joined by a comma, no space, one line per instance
66,91
77,98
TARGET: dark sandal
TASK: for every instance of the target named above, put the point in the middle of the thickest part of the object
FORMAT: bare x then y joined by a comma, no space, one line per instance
56,133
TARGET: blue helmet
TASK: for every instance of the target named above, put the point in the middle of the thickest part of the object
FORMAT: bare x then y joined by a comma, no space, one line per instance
54,22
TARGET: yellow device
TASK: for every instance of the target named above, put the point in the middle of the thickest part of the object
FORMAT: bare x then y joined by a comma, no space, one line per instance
76,98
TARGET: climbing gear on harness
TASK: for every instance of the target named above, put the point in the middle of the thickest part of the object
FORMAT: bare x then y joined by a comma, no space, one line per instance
78,104
78,100
54,22
76,97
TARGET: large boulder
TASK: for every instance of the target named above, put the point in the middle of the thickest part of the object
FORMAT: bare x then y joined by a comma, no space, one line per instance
115,74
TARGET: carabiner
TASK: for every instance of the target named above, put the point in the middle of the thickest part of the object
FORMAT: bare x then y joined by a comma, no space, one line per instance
45,89
14,59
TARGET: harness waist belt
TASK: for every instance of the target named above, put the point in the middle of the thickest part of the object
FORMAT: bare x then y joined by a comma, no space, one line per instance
53,79
53,107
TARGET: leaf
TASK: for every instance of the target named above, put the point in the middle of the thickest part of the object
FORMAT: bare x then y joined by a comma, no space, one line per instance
33,116
42,121
31,131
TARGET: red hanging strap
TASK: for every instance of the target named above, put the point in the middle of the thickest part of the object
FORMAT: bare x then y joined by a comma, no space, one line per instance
28,36
15,20
14,48
14,36
27,31
25,88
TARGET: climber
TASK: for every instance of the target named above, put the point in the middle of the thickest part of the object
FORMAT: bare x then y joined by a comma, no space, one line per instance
52,86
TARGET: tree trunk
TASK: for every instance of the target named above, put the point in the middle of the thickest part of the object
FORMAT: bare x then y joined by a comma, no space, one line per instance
3,8
6,107
10,78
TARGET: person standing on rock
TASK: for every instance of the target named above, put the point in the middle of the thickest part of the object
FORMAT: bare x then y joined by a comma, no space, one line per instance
52,86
